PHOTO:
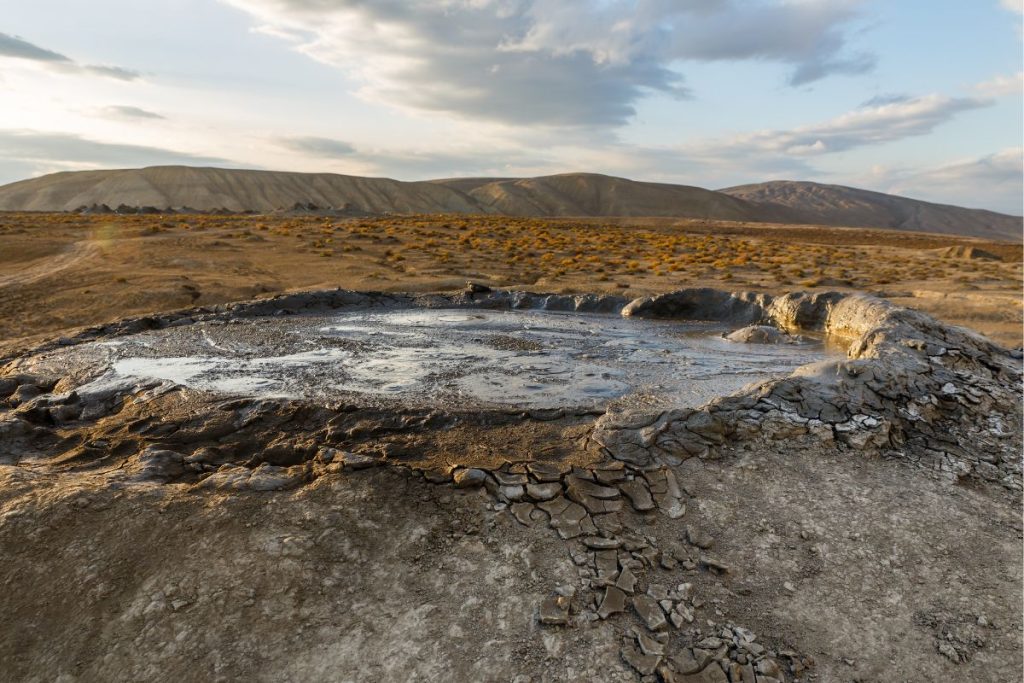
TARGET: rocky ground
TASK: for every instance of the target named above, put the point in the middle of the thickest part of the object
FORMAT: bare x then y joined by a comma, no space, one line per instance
857,521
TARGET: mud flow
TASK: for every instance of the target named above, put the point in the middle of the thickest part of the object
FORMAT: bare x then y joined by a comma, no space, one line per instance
445,357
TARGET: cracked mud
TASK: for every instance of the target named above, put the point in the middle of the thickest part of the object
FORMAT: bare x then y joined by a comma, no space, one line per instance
512,487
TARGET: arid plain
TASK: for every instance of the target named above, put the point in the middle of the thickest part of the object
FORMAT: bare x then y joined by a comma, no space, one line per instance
60,270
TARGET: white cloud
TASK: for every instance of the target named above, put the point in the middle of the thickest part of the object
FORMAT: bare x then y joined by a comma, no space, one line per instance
1002,85
745,157
554,62
128,112
781,153
318,147
994,181
870,125
1013,5
15,47
412,164
28,152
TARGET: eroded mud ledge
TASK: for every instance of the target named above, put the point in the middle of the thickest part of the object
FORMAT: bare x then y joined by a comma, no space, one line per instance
614,485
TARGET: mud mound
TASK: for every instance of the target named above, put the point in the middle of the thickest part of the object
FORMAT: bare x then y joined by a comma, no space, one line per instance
339,536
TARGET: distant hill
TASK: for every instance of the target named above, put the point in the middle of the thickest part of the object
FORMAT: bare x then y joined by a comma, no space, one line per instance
592,194
467,184
209,189
849,206
570,194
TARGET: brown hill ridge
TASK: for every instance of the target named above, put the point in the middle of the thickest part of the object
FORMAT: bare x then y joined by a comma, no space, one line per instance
208,189
592,194
839,205
571,194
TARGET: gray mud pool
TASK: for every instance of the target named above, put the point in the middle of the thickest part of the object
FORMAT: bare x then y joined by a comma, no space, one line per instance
454,358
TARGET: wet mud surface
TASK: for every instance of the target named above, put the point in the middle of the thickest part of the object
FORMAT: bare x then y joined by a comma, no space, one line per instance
444,357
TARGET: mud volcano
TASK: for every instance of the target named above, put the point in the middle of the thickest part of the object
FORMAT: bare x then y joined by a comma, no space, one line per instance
619,436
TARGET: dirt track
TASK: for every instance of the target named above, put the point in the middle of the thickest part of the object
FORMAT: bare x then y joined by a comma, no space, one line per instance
48,267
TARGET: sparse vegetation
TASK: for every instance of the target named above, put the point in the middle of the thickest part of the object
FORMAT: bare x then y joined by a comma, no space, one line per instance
238,256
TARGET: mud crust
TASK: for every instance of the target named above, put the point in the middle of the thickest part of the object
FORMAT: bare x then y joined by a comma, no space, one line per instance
639,576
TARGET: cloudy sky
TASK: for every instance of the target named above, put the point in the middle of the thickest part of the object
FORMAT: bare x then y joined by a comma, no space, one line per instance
916,97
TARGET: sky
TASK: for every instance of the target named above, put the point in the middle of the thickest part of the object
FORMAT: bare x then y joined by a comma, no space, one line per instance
918,97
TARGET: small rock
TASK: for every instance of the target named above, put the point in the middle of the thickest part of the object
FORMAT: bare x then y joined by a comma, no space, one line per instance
544,471
627,581
760,334
686,663
357,461
949,652
742,673
713,565
544,491
601,543
24,393
509,478
614,601
610,476
657,591
576,484
437,476
157,464
699,538
567,518
554,610
468,478
272,478
644,664
522,512
648,645
649,611
638,494
609,523
681,615
606,562
768,667
712,673
671,506
511,493
566,590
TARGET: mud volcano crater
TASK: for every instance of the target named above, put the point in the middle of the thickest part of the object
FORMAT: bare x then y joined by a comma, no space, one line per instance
590,417
444,358
284,381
